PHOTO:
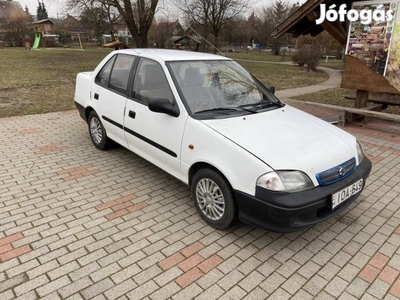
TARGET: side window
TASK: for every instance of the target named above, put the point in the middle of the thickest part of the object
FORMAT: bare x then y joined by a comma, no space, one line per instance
150,82
115,73
103,78
120,73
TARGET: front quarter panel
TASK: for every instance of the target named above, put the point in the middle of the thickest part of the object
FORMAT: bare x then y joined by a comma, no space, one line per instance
240,167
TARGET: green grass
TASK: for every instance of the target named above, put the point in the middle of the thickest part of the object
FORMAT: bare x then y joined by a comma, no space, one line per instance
283,76
332,63
40,81
269,70
260,56
337,96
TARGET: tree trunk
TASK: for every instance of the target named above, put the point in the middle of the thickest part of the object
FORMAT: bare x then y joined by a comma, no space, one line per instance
215,43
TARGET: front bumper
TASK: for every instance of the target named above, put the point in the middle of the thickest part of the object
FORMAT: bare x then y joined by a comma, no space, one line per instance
288,212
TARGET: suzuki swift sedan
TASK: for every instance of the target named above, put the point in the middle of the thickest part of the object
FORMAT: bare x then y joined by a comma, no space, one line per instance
208,122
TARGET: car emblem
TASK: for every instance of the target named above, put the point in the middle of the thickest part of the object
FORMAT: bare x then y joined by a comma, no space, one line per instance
341,171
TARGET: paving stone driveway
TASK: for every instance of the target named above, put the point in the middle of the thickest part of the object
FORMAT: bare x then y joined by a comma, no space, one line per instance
78,223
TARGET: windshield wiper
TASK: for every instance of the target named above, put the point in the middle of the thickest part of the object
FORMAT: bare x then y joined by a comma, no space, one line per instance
260,104
217,109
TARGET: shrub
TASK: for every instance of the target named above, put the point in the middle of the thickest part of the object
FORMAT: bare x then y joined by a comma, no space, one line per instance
307,56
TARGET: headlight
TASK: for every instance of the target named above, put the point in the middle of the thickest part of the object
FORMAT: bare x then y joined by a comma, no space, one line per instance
360,152
285,181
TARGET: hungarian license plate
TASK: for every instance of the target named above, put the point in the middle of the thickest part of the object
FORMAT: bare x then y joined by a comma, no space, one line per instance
346,193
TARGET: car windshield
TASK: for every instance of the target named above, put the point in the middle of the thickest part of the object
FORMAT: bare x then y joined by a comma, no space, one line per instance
220,87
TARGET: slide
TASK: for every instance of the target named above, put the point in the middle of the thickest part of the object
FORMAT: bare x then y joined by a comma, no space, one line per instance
37,40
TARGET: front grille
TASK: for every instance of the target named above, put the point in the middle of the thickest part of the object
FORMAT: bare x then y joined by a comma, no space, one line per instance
337,173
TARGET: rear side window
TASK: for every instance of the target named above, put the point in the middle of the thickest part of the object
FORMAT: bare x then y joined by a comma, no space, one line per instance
115,74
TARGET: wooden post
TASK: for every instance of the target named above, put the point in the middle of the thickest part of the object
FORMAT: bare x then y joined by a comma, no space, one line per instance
361,99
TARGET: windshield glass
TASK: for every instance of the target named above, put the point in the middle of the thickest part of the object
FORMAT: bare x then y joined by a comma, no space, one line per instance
220,87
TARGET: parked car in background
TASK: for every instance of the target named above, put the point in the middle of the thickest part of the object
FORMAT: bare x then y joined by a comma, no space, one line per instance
207,121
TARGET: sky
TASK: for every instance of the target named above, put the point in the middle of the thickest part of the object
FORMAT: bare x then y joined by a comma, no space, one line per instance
56,9
53,7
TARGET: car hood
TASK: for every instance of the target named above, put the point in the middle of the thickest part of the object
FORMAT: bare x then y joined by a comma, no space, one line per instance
289,139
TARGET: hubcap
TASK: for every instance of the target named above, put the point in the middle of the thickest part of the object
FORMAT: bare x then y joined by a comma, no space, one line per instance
95,130
210,199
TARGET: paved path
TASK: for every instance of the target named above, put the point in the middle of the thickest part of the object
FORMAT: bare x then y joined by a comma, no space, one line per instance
78,223
333,81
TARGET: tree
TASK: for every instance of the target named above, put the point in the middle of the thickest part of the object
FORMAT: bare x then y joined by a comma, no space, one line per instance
237,32
138,15
15,27
254,28
272,17
41,11
212,15
138,18
96,21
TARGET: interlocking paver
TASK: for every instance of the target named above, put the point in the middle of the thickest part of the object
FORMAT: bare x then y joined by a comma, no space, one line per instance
163,248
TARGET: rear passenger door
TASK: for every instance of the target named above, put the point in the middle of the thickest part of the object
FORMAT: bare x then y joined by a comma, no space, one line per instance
110,92
155,136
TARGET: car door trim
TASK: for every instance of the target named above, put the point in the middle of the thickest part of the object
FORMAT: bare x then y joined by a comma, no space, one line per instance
151,142
141,137
112,122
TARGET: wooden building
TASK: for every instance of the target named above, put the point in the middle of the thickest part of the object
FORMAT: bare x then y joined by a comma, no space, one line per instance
371,58
45,27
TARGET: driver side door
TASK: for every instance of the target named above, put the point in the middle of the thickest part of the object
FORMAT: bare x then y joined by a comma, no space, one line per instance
155,136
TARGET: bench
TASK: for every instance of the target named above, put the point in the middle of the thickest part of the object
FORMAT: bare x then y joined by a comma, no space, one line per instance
329,56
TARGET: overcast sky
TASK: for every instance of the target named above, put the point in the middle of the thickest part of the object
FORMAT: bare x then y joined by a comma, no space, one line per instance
55,7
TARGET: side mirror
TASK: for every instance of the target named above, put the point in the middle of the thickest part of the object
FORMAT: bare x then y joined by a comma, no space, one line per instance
271,88
163,105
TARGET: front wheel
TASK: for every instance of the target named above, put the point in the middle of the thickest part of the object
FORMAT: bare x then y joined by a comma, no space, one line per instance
213,198
97,132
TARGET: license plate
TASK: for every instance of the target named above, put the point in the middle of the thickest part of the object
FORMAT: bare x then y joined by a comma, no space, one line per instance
346,193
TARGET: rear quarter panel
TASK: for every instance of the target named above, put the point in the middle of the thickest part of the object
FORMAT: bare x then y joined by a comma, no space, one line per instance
82,88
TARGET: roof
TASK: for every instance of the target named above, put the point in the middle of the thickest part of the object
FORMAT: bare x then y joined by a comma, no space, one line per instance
302,21
70,22
177,39
173,55
9,9
119,44
43,21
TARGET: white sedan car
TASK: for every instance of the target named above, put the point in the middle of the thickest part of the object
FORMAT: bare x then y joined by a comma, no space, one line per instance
211,124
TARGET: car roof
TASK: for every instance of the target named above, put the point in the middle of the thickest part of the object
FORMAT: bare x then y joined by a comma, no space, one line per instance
173,55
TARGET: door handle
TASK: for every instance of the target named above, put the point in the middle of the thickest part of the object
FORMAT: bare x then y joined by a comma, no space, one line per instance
132,114
96,96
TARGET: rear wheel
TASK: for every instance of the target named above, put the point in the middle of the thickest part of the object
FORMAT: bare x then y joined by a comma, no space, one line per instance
97,132
213,198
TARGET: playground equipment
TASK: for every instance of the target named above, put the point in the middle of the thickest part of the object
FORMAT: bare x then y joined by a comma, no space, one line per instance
37,41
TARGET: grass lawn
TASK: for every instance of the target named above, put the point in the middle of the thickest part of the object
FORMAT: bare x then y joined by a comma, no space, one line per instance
260,56
337,97
41,81
283,76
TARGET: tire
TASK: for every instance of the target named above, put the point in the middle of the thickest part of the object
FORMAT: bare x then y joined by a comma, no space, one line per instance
97,133
213,198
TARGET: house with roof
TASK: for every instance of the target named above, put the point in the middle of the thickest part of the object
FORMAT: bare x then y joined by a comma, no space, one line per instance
45,27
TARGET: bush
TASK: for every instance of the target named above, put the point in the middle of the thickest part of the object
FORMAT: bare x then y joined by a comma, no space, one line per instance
307,56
